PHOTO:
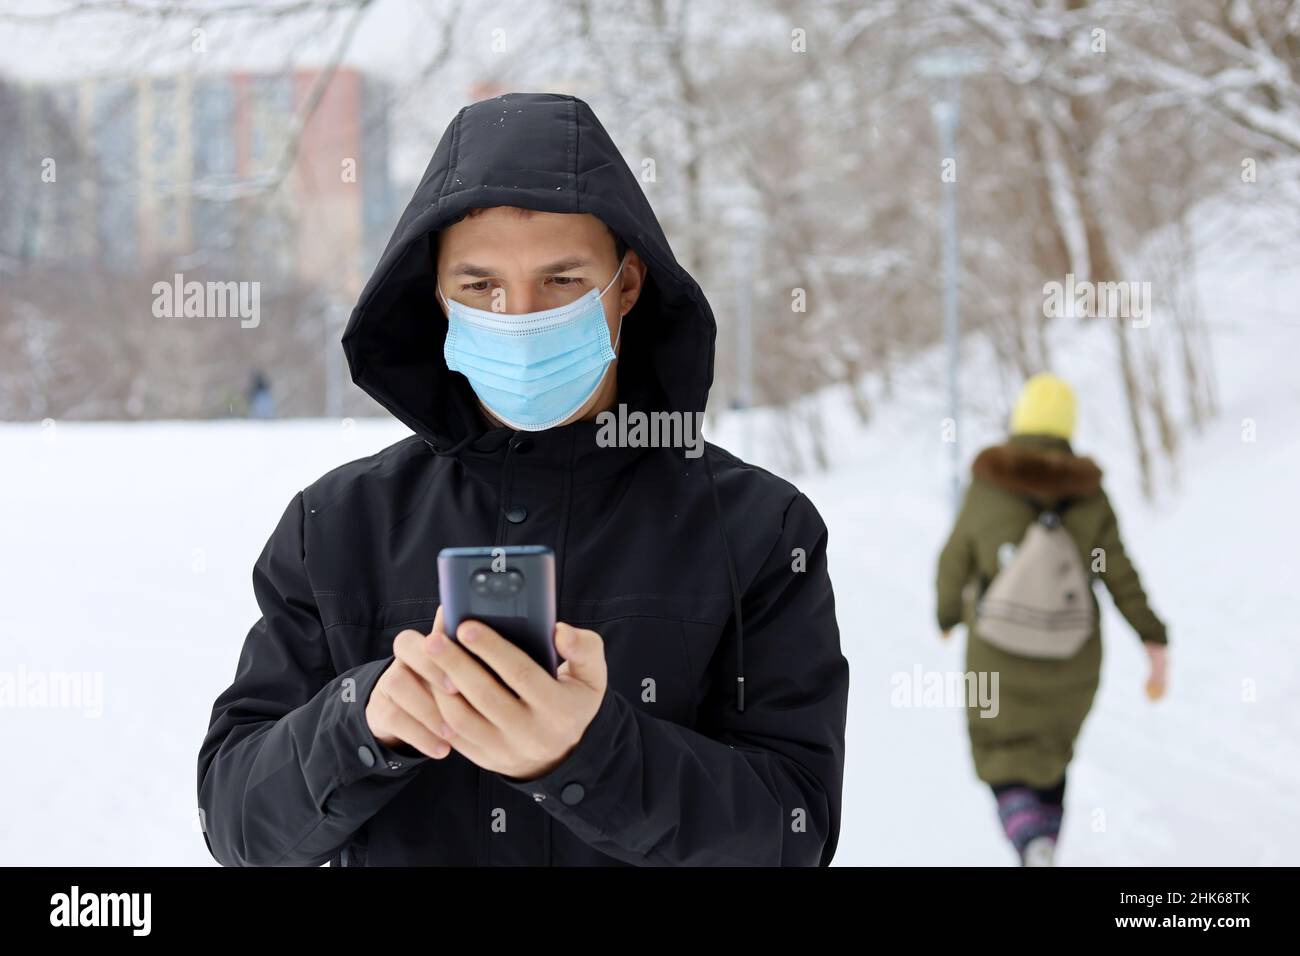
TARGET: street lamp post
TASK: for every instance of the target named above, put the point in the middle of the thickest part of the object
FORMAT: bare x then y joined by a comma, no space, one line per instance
949,66
945,114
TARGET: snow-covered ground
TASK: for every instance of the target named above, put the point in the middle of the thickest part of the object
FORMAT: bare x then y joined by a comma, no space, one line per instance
127,550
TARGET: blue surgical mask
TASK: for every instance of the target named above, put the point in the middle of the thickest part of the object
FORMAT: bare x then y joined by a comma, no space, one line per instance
536,369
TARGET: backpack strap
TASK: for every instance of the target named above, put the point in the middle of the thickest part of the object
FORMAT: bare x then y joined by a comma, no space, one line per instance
1041,509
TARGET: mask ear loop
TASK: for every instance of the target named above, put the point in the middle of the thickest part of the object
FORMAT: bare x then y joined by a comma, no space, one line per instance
617,337
621,263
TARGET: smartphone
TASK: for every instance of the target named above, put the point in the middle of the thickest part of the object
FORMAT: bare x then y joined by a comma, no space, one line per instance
510,589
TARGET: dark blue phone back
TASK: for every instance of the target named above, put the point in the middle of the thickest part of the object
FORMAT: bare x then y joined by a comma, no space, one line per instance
510,589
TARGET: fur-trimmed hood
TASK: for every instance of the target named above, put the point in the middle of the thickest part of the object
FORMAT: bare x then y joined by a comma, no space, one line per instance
1047,469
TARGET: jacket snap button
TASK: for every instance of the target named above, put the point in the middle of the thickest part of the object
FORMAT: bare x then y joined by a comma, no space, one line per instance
367,755
573,793
516,514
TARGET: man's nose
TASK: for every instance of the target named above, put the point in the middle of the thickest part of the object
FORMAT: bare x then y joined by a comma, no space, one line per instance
521,298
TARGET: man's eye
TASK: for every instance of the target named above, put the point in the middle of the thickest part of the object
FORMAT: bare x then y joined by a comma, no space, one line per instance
479,286
565,280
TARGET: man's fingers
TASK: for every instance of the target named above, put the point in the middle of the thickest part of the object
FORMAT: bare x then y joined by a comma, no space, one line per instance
410,730
520,672
396,691
409,648
409,692
475,682
466,724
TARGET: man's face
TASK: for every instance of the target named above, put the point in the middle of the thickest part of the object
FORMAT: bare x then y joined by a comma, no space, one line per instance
502,261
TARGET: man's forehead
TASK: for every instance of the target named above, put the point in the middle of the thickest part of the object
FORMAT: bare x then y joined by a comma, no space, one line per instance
563,240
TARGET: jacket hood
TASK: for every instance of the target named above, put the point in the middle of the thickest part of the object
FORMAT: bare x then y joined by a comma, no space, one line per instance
543,151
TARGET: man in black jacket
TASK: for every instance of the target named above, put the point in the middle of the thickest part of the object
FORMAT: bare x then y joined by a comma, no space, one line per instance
699,716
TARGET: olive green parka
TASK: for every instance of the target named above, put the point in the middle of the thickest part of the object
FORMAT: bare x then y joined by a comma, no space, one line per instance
1042,703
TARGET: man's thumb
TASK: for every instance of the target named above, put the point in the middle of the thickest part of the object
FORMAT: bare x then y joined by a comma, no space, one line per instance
584,651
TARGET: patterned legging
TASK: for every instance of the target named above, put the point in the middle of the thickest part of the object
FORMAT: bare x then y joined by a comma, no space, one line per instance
1027,812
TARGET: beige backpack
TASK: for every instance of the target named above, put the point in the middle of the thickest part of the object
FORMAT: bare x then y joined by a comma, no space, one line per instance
1039,603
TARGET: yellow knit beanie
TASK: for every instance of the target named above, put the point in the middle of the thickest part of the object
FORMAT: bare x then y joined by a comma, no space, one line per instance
1045,407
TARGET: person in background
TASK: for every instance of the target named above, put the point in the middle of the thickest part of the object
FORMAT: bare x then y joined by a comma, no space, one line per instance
260,402
1034,532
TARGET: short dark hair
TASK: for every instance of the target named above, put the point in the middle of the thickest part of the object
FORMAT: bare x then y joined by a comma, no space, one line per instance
620,247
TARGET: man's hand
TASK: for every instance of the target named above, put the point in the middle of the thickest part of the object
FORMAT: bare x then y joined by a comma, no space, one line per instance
1157,681
402,708
524,734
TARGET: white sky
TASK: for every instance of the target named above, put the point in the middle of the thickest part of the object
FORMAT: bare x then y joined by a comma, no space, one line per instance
88,41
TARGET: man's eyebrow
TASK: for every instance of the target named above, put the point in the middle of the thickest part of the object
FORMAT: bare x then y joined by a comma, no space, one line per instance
565,265
469,269
560,265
